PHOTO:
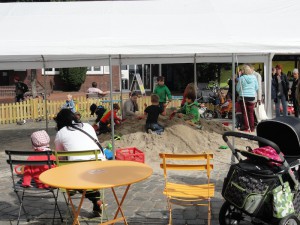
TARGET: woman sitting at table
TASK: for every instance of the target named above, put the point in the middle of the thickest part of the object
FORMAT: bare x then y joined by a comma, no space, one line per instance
70,139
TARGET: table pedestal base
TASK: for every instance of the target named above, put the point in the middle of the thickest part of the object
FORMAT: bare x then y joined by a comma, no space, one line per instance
113,221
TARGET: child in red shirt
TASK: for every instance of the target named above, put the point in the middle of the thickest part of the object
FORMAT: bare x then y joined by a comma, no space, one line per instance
40,142
104,125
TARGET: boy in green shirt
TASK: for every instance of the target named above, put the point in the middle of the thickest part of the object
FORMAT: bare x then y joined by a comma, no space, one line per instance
162,91
190,110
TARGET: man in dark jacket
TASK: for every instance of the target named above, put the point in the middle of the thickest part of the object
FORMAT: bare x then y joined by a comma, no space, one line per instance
293,92
281,84
21,88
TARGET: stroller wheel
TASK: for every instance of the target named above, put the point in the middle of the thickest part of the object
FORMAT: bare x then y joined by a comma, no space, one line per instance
289,220
230,215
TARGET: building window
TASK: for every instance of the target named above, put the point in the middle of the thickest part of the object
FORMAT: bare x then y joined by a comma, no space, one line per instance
93,70
50,71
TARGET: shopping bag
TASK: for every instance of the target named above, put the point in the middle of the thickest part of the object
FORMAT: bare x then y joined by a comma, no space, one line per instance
282,201
260,112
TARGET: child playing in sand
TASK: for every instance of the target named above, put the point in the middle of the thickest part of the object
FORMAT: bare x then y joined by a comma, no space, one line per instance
40,142
162,91
106,119
190,110
152,113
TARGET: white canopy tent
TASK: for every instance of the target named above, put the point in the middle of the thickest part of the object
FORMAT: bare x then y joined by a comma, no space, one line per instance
72,34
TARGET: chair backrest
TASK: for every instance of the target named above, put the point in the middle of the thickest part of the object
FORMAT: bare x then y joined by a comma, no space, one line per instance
61,160
21,158
197,162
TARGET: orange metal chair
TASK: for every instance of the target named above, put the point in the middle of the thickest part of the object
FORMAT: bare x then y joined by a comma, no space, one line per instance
188,194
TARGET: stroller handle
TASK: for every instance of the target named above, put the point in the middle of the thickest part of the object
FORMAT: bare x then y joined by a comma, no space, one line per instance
251,137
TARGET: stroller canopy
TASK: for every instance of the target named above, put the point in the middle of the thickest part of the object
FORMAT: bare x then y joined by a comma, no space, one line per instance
283,131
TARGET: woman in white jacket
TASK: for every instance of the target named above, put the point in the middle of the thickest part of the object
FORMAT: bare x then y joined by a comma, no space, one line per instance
70,139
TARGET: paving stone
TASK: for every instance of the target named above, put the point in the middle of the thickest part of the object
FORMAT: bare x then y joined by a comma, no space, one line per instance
145,203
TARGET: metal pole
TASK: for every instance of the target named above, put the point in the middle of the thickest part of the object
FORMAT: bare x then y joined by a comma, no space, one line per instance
195,76
233,105
120,80
233,93
268,86
111,107
159,68
151,79
45,94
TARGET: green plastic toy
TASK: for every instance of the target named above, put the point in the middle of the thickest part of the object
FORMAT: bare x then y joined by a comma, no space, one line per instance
109,146
223,147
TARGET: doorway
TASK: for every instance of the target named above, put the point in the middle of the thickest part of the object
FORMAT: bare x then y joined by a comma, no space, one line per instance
4,78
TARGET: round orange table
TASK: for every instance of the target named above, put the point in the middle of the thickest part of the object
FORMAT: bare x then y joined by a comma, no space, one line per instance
97,175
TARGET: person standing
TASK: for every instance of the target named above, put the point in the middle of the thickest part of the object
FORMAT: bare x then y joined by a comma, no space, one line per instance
21,88
247,87
259,90
162,91
293,92
281,88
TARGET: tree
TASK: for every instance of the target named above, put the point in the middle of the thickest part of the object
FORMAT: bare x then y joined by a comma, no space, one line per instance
73,77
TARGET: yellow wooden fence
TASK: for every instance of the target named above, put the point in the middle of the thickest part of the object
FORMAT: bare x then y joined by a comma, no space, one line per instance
34,109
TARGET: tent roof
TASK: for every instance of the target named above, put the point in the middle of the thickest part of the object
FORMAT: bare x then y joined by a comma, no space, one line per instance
70,34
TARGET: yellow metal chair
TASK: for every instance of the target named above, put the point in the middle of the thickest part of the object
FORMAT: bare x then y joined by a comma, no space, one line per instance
188,194
62,159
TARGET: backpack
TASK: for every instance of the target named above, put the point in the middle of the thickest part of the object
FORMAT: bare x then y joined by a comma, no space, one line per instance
93,108
100,112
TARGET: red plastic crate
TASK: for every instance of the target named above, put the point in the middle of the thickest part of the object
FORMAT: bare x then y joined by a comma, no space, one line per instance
130,154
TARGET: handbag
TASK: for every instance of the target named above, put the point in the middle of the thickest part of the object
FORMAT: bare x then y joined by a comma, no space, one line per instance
95,140
282,200
260,112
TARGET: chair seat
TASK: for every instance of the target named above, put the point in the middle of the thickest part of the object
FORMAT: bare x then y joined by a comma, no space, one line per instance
189,192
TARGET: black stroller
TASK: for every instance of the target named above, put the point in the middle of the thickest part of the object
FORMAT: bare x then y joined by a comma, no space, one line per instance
249,188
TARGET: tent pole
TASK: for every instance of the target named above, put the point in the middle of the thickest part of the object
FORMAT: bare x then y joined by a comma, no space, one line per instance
268,86
233,104
45,94
151,79
195,75
159,70
111,108
120,80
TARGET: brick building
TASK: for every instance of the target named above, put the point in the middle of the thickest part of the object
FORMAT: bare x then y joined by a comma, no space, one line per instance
99,74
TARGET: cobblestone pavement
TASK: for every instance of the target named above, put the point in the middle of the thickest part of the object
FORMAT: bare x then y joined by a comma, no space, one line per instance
145,203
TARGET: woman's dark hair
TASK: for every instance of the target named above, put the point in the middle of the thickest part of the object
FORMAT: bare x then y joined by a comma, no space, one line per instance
160,78
94,84
64,118
191,96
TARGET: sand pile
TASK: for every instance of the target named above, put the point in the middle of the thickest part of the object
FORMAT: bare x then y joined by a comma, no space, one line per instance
179,137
